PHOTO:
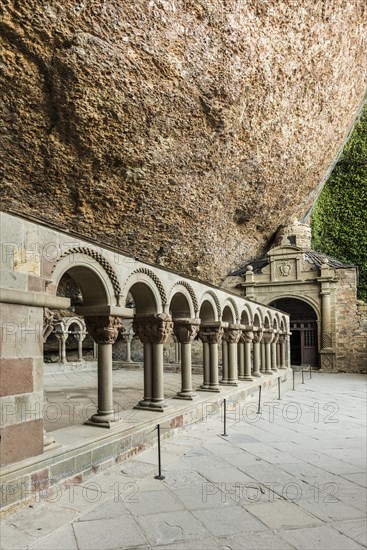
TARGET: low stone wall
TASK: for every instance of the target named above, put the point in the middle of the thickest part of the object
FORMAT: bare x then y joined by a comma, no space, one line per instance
46,476
351,326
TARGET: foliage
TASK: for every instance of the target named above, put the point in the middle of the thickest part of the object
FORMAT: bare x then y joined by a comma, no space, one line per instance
339,219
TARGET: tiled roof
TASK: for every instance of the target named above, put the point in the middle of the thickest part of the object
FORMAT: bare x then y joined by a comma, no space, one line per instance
313,258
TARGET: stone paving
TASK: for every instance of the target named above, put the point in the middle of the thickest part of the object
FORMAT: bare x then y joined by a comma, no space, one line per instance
292,477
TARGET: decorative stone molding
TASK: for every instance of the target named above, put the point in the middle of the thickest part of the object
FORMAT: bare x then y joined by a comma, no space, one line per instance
186,330
104,329
195,302
217,303
103,262
327,339
153,328
156,280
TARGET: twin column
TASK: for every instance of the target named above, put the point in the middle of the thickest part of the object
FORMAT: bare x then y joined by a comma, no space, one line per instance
153,330
104,330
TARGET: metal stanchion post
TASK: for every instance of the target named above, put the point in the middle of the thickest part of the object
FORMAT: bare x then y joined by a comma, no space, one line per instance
159,476
279,387
225,416
259,407
303,376
310,371
293,377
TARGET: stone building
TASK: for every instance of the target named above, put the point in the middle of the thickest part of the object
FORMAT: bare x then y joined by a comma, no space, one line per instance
111,293
328,323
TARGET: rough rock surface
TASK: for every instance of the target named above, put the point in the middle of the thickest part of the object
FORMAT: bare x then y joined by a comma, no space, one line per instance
183,131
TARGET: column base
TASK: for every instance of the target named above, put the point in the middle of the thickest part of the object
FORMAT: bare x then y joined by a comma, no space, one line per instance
257,374
224,382
216,390
235,384
274,370
151,407
185,396
248,379
101,421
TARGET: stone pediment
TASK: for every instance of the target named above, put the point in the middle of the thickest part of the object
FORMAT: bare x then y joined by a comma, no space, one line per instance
284,263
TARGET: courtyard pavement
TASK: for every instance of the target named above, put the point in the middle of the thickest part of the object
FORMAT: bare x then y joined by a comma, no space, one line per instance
293,476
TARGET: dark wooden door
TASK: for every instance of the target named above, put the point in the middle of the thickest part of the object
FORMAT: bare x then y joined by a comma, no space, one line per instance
304,343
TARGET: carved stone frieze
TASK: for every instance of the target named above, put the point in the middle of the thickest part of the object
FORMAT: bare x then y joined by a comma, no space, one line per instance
186,330
104,329
153,328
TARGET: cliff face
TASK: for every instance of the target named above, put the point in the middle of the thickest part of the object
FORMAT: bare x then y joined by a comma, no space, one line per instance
184,131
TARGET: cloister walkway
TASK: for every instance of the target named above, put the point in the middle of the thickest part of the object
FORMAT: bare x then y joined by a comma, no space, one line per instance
294,477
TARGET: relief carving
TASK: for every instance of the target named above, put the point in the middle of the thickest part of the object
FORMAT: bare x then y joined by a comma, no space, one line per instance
104,329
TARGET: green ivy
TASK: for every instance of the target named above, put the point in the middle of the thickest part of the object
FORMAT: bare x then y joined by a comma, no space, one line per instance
339,219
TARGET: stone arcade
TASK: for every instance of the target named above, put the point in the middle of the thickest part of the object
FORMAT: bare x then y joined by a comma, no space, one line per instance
35,258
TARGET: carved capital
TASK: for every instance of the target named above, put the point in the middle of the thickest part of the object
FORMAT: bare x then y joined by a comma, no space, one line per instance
104,329
186,330
211,334
48,323
153,328
247,336
232,334
268,336
258,335
281,338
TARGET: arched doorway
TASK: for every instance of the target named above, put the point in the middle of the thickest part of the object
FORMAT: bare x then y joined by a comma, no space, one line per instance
303,326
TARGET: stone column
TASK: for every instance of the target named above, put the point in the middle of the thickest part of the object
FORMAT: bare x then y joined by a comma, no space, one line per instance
211,334
268,338
224,362
128,338
186,331
282,350
62,336
274,351
326,334
262,356
104,330
232,335
258,335
178,352
79,337
241,359
247,338
153,330
206,367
